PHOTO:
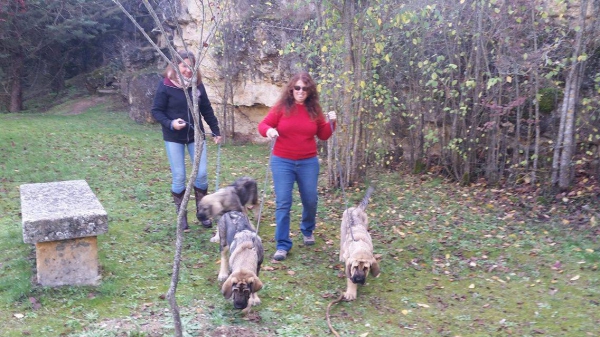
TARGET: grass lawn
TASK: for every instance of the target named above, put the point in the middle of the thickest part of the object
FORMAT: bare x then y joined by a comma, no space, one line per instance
455,261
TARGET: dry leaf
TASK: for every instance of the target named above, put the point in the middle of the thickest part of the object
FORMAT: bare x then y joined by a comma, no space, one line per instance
575,278
471,286
423,305
404,312
19,316
291,272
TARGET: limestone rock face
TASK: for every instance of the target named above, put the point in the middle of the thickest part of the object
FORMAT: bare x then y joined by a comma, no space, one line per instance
255,32
139,91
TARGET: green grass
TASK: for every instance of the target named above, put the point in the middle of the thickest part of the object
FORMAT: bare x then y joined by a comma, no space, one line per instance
452,263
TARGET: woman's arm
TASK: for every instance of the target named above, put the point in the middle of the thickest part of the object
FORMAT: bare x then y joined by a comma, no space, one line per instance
159,107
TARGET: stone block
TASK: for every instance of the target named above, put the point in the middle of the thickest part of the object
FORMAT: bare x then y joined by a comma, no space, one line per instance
63,219
67,262
61,210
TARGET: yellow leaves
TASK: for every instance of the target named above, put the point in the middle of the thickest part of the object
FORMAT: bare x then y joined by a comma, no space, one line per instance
363,84
509,79
404,312
324,49
399,232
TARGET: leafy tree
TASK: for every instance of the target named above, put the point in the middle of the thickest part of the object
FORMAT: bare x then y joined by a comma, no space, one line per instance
54,39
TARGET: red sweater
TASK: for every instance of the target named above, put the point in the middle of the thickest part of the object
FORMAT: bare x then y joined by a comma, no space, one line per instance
296,132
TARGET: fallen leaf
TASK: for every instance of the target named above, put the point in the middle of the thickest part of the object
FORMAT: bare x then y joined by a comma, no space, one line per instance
471,286
423,305
575,278
291,272
404,312
19,316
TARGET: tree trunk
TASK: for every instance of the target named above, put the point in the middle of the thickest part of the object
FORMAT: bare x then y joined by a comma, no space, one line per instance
16,90
568,108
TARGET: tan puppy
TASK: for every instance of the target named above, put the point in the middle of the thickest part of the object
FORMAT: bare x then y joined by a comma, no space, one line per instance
356,247
240,268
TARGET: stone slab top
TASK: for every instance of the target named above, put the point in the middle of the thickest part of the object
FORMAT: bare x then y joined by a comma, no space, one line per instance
60,211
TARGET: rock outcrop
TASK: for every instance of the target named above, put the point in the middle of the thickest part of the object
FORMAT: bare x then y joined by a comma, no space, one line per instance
246,50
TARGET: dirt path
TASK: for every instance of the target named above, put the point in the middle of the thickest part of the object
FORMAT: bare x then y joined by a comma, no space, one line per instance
85,103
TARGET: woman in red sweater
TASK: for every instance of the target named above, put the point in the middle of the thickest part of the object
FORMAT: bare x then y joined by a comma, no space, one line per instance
294,122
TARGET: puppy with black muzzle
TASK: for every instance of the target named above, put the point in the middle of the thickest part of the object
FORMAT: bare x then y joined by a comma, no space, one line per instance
240,196
356,247
242,254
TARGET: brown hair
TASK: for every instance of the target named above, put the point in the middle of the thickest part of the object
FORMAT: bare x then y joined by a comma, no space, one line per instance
172,73
287,101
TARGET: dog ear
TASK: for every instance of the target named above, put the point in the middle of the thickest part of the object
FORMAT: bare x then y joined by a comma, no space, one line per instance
226,289
256,284
349,263
374,268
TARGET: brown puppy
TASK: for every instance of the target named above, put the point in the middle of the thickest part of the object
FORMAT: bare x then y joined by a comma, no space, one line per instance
356,247
240,269
239,196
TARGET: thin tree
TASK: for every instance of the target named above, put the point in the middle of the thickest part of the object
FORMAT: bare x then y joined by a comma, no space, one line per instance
200,51
565,147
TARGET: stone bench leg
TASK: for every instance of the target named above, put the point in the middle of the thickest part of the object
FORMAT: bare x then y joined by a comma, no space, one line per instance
67,262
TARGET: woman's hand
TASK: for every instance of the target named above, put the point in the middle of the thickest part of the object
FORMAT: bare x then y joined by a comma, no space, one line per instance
331,115
217,139
272,133
178,124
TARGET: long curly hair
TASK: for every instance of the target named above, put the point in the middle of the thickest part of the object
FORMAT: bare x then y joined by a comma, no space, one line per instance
288,103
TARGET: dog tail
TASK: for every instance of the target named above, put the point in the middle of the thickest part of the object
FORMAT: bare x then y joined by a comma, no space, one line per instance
365,201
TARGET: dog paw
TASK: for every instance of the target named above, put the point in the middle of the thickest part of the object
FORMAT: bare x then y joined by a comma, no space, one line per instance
349,296
215,238
253,301
222,277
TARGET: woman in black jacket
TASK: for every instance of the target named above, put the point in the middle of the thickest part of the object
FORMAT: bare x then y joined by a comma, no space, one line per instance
171,110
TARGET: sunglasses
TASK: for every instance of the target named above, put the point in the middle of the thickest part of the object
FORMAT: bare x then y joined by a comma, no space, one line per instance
299,88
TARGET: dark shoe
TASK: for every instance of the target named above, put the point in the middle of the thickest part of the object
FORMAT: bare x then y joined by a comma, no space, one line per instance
199,194
177,198
309,240
280,255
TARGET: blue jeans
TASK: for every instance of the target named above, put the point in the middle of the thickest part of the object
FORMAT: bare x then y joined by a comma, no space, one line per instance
286,172
176,155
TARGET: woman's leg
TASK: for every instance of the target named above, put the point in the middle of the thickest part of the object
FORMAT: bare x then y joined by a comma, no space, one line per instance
308,177
176,156
283,180
201,181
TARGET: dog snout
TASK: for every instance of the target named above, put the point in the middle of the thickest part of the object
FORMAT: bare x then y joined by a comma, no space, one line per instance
240,301
359,279
202,216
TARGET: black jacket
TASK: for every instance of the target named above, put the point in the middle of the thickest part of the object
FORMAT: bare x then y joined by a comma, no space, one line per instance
170,103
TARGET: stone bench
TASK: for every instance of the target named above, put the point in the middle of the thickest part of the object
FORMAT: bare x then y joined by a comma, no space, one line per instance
63,219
